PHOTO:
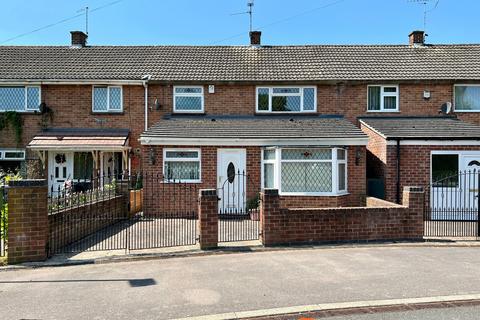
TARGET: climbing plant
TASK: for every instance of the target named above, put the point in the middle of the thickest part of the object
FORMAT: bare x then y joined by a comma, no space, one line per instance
13,119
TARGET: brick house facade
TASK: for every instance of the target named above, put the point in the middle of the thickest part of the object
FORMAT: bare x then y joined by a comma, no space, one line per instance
229,82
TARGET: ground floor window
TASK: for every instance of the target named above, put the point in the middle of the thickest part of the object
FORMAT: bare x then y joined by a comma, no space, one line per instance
305,171
182,165
11,160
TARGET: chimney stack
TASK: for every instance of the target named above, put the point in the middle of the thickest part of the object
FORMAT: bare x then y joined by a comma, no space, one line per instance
79,39
417,38
255,38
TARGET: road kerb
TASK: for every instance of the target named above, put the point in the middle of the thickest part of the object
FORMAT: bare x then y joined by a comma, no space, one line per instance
337,306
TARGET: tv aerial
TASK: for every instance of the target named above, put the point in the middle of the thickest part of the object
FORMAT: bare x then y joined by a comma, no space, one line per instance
426,9
250,5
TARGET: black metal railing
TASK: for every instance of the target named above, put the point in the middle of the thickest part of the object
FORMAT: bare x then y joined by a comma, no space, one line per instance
126,212
452,206
238,209
3,219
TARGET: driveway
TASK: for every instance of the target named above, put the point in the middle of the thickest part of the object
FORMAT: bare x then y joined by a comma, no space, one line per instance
201,285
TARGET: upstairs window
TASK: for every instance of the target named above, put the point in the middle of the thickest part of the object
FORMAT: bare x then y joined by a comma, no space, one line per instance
107,99
383,98
188,99
467,98
20,98
286,99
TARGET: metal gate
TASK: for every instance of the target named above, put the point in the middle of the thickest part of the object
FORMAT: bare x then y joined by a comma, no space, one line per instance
120,212
3,219
452,206
238,209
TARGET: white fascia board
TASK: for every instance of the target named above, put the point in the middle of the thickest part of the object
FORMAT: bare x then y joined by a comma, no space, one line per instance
252,142
70,82
434,142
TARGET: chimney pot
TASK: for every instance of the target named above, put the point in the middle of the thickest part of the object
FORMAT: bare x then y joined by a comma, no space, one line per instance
417,38
79,39
255,38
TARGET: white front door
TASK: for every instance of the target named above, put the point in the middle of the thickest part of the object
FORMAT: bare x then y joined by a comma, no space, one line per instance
231,180
455,197
60,169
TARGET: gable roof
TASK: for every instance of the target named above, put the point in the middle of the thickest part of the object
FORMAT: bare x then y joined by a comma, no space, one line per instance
426,128
254,130
241,63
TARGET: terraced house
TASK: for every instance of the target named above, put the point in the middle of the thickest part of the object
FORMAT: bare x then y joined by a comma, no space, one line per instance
320,123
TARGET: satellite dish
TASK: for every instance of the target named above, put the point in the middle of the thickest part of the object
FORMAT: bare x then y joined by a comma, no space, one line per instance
446,108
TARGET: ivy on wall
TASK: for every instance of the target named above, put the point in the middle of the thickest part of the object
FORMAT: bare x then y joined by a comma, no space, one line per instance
14,120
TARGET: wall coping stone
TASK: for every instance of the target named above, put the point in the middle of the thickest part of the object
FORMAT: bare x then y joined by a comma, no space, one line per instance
270,192
413,189
28,183
208,192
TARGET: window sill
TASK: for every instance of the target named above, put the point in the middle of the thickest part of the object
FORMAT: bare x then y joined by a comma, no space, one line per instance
383,111
268,113
180,182
35,112
107,113
189,112
466,111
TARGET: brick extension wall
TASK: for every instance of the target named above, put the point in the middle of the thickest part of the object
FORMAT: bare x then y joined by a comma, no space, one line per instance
27,221
379,220
161,198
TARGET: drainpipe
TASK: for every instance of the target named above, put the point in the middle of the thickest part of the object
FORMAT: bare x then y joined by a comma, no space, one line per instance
398,171
145,79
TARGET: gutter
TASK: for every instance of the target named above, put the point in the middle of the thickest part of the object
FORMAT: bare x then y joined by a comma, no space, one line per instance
146,79
398,171
72,82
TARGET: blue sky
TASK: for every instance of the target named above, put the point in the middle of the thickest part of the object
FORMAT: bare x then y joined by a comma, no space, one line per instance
207,22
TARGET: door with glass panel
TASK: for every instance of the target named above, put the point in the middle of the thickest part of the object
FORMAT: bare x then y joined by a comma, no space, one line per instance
60,170
231,180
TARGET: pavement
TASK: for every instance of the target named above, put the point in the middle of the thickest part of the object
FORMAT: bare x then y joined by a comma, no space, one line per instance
238,283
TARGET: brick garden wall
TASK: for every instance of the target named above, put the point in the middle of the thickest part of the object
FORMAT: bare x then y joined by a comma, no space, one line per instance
379,220
72,224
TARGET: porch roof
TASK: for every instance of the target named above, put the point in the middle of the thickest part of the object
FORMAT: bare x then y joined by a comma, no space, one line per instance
253,130
422,128
80,139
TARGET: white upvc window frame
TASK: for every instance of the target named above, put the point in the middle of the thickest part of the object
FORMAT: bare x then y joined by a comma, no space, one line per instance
109,110
25,104
201,95
277,162
454,97
383,95
198,159
272,94
4,151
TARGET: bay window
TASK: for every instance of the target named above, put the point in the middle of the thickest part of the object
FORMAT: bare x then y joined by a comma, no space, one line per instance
181,165
467,98
383,98
305,171
286,99
20,98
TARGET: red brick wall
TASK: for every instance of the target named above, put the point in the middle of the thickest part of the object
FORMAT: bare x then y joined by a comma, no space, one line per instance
27,221
381,221
152,187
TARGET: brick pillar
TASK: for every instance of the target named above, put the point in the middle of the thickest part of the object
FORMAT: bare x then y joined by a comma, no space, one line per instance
208,218
414,199
269,207
27,221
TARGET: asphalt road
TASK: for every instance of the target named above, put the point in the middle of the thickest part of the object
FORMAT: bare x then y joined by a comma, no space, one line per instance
193,286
